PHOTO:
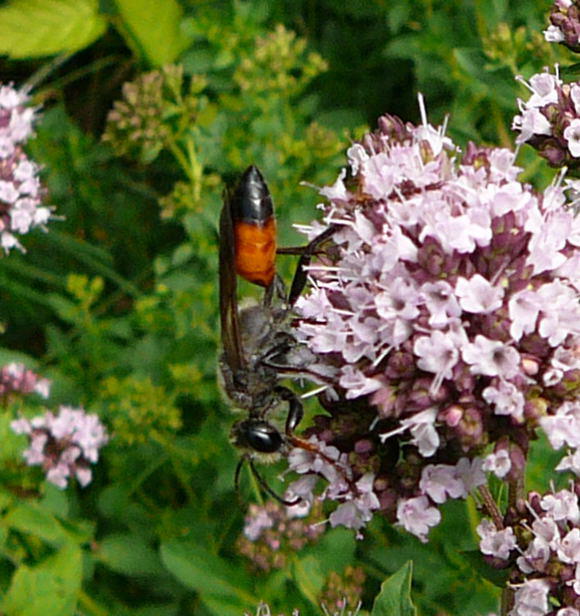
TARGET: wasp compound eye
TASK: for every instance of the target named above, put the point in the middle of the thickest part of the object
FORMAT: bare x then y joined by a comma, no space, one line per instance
262,437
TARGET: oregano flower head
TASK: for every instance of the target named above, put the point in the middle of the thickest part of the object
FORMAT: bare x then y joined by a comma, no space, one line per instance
444,318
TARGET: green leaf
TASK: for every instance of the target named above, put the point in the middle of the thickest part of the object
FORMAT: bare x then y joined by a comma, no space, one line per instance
32,518
36,28
218,583
395,596
153,27
129,555
309,577
49,589
336,549
497,577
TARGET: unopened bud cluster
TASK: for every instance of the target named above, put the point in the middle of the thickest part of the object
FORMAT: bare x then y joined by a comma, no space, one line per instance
153,110
343,592
564,24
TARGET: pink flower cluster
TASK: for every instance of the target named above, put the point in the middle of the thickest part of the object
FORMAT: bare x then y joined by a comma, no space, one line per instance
21,192
18,379
64,444
273,532
550,119
543,547
444,317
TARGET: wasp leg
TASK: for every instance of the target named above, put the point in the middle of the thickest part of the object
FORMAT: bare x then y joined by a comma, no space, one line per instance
277,289
295,408
268,489
308,251
247,458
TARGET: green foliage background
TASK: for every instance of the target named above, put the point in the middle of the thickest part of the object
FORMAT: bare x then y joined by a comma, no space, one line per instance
117,302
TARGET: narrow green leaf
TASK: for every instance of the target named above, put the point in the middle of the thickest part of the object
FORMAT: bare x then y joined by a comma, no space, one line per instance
154,28
128,554
36,28
309,577
212,577
395,596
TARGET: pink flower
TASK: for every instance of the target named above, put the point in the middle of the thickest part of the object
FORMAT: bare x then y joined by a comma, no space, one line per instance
531,598
64,444
491,357
416,516
440,481
572,137
477,295
21,192
498,543
18,379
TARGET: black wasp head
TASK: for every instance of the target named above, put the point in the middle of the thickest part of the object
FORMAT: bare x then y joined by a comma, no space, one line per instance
258,435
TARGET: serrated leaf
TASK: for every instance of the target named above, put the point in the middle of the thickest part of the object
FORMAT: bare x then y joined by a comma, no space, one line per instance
395,596
153,27
49,589
37,28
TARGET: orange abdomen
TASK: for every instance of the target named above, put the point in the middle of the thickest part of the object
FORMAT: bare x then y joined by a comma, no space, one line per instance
256,251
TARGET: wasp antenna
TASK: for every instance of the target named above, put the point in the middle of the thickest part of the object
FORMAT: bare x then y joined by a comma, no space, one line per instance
268,489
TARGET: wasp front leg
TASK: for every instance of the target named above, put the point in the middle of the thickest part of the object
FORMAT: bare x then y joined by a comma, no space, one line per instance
306,253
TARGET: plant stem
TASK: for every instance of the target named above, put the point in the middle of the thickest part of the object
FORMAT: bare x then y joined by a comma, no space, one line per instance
491,507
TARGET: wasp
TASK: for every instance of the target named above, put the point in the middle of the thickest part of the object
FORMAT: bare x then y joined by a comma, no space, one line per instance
255,341
258,347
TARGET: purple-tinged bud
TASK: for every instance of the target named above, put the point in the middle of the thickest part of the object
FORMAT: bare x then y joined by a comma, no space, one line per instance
530,364
400,364
518,462
388,502
364,446
565,25
452,415
384,400
534,501
394,128
419,397
535,409
470,429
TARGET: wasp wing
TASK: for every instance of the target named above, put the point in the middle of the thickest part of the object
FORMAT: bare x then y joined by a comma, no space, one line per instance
230,327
